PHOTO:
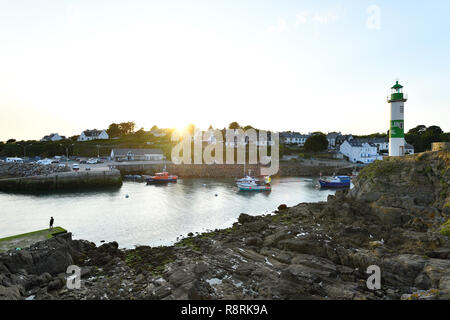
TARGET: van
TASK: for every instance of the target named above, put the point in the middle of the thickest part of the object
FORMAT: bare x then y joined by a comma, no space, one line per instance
14,160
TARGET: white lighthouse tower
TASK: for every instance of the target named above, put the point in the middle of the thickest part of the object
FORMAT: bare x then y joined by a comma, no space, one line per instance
397,100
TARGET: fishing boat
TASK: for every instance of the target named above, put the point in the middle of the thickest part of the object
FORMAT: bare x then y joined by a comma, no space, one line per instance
335,182
249,183
161,177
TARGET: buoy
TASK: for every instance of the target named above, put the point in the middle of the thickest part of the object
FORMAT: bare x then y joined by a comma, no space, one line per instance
215,195
127,196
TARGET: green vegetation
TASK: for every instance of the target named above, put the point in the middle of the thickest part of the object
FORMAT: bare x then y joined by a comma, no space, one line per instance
379,168
317,142
150,259
445,229
421,137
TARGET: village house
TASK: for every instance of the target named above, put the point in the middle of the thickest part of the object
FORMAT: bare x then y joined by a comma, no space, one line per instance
360,152
53,137
88,135
340,139
332,137
409,149
137,155
293,138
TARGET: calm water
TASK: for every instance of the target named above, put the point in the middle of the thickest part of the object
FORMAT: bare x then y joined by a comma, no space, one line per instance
151,215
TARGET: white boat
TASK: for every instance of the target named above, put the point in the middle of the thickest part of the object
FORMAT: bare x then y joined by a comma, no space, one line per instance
249,183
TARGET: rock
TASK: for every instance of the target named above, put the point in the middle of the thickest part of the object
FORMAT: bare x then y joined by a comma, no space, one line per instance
282,207
253,241
201,268
245,218
180,276
55,284
273,239
9,293
422,282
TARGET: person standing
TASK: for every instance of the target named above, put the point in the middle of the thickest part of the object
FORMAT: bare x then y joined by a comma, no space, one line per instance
51,222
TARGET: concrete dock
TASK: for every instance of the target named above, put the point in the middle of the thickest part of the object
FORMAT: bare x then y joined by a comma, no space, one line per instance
63,181
27,239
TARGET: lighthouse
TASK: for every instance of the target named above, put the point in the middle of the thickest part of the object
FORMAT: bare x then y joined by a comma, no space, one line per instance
397,100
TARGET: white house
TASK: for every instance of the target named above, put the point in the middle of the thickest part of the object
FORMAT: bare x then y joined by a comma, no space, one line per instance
137,154
95,134
293,138
358,151
53,137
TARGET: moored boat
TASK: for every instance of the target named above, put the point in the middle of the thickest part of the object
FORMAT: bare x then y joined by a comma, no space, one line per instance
335,182
161,177
253,184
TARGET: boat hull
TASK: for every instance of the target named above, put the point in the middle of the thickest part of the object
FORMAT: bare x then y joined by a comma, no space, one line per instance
156,181
327,184
254,188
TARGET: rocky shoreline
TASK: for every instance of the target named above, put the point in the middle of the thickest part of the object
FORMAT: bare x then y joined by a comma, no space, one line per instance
395,218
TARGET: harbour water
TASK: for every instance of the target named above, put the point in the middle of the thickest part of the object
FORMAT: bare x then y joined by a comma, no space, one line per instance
137,214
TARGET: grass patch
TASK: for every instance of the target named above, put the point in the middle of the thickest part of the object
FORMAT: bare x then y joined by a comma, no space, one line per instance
445,229
27,239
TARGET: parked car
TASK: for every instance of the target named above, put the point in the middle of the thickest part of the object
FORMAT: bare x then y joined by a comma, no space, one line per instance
88,168
14,160
92,161
76,167
44,162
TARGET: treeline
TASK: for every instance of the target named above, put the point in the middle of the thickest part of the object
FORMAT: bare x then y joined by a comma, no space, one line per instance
421,137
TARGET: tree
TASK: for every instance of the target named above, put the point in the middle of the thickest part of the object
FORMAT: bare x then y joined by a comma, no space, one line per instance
317,142
420,129
122,129
422,137
140,132
234,125
127,128
113,130
11,141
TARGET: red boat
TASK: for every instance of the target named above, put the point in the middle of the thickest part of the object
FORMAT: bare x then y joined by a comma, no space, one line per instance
161,177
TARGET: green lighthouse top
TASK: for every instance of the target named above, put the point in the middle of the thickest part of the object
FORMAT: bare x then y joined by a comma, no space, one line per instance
397,93
397,86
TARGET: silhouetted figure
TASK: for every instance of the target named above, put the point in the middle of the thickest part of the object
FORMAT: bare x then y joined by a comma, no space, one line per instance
51,222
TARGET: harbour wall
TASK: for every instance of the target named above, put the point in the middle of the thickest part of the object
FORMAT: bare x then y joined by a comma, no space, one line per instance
63,181
291,169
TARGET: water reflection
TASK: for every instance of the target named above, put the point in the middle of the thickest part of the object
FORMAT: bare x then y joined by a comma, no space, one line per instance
152,214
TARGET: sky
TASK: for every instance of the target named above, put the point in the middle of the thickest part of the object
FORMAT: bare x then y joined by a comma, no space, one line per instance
67,66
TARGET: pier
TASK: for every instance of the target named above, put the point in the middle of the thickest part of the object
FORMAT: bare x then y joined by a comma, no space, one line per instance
27,239
63,181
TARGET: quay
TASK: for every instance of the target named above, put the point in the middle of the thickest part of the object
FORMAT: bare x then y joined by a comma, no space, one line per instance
27,239
63,181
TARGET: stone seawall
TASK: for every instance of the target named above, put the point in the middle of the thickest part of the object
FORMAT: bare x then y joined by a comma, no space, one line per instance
296,169
63,181
12,170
